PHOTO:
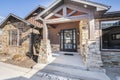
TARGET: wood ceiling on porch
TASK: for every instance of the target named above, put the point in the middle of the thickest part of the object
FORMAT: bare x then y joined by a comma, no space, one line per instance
65,12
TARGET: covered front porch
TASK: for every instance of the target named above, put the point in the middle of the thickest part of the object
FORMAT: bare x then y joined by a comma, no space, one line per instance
71,26
64,37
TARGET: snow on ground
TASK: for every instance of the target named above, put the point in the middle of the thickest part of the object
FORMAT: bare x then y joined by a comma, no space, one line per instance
113,72
63,67
118,78
71,67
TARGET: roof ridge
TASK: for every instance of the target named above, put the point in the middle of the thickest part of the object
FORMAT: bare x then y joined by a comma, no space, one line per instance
113,12
15,16
96,3
39,6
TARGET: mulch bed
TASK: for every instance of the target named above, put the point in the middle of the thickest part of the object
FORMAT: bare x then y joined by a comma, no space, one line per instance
26,63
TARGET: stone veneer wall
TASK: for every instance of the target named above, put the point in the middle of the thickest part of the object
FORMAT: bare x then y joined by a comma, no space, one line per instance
111,59
94,54
25,38
45,52
56,48
90,49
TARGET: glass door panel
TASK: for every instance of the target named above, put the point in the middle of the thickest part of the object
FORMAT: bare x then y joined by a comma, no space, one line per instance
68,40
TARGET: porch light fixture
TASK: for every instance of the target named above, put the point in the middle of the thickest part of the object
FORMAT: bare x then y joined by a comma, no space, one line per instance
85,6
78,33
58,34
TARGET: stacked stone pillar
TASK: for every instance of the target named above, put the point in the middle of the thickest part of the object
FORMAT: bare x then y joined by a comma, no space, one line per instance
83,28
45,48
90,46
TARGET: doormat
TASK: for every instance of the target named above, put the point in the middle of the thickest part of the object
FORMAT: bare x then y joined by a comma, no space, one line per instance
69,54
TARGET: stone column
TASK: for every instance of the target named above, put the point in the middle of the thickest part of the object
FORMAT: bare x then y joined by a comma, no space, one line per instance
83,28
45,48
94,54
90,46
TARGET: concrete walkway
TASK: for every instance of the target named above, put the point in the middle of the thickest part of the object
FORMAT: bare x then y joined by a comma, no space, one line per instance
61,67
8,71
72,67
118,78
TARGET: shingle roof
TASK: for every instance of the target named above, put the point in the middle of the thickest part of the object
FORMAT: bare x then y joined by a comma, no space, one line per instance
38,7
12,15
111,14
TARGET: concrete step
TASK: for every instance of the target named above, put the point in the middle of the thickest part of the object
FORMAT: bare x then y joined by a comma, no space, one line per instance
64,75
74,72
118,77
68,66
54,76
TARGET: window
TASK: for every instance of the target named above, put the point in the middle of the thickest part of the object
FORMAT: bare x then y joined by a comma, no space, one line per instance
110,34
14,37
116,36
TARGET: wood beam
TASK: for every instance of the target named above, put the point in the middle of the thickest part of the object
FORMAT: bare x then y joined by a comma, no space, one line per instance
71,13
64,11
80,35
91,26
66,19
80,9
54,12
45,31
58,15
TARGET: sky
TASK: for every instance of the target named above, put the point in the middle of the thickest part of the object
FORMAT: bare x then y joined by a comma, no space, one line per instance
22,7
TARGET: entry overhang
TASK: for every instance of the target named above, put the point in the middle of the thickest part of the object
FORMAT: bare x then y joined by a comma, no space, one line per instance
67,19
97,6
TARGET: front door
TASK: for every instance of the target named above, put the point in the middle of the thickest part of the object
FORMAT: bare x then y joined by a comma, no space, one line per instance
68,40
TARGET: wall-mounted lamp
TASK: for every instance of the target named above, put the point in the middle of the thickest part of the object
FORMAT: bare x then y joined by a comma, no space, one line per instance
58,34
78,33
85,6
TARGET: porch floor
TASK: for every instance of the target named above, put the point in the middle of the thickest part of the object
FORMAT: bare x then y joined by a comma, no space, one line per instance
74,61
68,67
62,67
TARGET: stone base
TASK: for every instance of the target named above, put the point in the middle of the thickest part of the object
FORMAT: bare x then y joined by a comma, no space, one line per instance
94,55
45,52
111,59
55,47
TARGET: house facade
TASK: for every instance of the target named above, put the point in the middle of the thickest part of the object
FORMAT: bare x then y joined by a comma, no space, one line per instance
66,25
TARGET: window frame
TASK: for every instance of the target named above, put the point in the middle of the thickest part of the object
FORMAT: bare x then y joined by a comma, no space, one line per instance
115,36
101,40
10,37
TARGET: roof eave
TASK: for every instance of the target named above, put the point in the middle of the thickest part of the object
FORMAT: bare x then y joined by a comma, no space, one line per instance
99,7
52,5
3,22
94,4
34,10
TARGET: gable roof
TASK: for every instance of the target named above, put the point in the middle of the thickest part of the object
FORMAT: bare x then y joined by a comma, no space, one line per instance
2,24
57,3
34,10
114,14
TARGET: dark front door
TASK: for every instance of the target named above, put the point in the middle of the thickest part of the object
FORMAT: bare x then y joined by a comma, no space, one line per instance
68,40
